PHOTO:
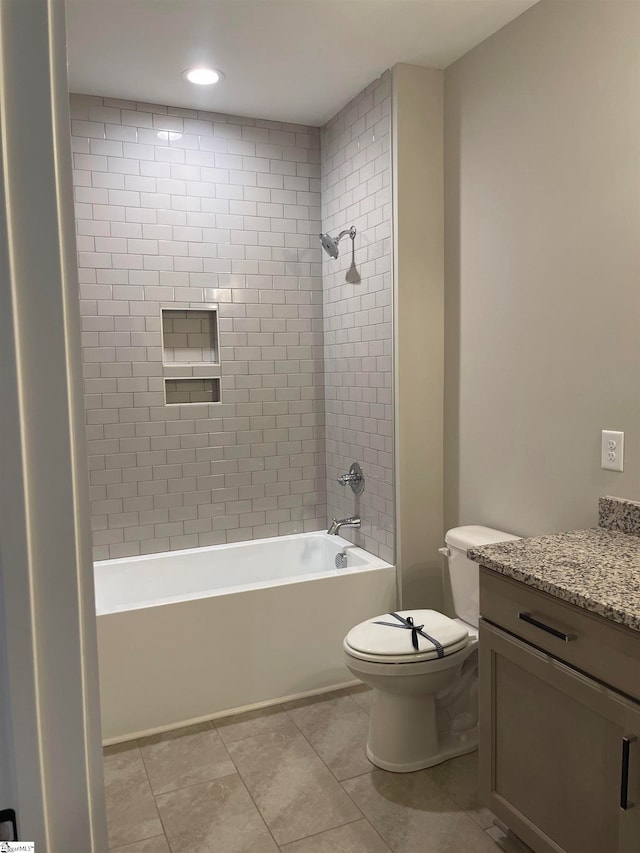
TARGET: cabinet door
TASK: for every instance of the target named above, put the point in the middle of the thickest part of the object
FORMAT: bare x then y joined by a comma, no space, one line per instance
551,751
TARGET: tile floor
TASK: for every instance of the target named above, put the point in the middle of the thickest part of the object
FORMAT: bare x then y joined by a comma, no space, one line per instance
291,778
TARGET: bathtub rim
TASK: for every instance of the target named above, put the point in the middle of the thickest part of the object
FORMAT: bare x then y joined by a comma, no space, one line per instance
372,563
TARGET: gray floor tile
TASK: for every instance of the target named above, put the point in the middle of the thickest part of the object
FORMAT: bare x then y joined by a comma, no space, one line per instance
151,845
361,694
306,809
252,723
459,778
131,810
413,814
358,837
506,841
184,757
214,817
337,728
294,790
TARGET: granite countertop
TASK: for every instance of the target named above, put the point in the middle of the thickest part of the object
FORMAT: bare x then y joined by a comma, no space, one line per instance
597,569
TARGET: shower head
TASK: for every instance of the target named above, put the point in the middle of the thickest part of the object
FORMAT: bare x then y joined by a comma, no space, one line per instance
330,244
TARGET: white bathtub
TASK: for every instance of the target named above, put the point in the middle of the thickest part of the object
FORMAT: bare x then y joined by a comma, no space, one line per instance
191,635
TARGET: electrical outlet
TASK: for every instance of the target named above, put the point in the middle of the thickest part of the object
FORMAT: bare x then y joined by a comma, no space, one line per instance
612,450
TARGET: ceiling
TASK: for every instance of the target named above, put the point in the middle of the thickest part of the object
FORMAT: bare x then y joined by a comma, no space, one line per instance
289,60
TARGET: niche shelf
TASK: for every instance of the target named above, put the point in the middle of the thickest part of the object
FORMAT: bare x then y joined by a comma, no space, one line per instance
190,354
184,391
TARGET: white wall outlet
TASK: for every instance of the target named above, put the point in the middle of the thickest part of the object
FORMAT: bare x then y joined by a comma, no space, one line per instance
612,450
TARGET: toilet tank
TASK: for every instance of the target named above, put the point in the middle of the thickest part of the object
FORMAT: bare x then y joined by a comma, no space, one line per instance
464,573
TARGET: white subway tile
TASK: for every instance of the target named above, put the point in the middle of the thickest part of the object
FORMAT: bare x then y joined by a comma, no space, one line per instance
90,162
208,145
108,147
185,172
126,229
136,118
100,113
124,166
107,180
81,104
169,155
170,123
90,129
121,133
90,195
140,183
141,215
225,254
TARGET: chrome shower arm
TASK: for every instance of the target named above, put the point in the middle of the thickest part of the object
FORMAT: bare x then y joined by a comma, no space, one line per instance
350,231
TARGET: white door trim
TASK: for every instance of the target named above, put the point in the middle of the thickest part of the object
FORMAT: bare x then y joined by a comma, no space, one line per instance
50,711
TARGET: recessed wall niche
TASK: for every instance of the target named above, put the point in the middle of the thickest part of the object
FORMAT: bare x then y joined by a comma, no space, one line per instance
189,336
191,391
190,354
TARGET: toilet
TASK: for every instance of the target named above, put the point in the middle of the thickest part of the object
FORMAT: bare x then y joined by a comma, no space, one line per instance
425,705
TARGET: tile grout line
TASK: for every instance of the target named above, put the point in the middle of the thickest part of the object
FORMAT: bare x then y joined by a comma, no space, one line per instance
208,781
330,829
441,787
302,838
123,847
315,751
244,784
146,837
355,776
195,784
339,781
246,737
246,787
255,805
288,719
155,802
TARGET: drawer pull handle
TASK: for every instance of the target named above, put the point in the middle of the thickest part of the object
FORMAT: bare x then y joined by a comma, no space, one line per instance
624,774
561,635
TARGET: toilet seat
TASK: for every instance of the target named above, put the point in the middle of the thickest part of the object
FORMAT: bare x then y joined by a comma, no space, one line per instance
391,643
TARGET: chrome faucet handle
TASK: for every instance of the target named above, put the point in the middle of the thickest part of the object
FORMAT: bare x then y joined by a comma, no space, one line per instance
355,478
343,479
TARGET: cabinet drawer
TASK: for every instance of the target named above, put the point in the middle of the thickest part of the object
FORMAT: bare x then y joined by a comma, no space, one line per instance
608,652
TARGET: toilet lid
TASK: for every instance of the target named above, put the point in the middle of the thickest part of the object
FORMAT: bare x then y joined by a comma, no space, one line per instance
389,637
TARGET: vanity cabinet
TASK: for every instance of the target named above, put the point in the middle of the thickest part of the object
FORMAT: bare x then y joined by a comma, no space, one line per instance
559,721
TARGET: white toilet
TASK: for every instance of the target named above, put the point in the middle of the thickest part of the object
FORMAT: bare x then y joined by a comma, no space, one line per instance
425,706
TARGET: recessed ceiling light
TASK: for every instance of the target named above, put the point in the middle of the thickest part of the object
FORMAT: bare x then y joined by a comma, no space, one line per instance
202,76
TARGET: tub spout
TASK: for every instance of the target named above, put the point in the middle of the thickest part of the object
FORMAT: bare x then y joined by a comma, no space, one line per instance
335,525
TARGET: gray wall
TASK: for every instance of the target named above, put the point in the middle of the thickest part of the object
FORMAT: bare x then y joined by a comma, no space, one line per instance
542,176
418,227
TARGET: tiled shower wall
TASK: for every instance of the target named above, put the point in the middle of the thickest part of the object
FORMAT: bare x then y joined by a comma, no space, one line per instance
356,190
183,209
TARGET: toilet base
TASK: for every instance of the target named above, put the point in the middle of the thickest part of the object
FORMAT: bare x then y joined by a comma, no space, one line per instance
451,746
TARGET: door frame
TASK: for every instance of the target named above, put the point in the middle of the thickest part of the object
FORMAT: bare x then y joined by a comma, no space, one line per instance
49,712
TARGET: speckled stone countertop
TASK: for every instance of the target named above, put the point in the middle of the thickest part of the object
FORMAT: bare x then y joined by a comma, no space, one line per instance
596,569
